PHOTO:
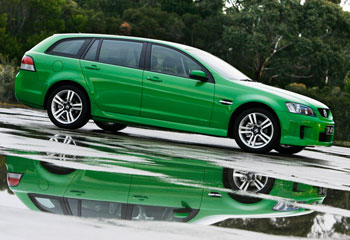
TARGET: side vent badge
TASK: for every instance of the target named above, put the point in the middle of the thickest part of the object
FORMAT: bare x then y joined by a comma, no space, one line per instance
226,102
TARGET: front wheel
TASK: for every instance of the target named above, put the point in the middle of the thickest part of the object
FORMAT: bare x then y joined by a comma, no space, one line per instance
110,126
256,130
247,181
68,107
288,149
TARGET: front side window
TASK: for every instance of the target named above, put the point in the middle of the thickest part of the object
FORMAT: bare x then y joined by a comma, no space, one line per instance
169,61
69,47
121,53
218,65
153,213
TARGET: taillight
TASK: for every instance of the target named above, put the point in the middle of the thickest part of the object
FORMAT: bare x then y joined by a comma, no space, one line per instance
13,179
27,63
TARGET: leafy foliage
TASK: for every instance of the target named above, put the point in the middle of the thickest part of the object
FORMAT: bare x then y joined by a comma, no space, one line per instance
8,72
272,41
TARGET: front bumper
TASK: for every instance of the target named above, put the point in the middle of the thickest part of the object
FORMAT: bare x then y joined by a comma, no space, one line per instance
303,130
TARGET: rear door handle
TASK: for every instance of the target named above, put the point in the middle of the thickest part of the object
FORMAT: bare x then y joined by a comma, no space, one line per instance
92,67
154,79
77,192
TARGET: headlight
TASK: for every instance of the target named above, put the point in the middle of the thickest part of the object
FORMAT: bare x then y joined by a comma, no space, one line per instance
300,109
284,207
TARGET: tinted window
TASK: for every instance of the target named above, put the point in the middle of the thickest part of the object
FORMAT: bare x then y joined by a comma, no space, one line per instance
52,205
220,66
69,48
98,209
74,206
122,53
91,54
168,61
153,213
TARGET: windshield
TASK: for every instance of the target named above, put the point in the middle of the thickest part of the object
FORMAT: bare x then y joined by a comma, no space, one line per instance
218,65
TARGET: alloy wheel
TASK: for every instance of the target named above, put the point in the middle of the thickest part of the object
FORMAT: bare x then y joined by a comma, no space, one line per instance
256,130
66,106
249,181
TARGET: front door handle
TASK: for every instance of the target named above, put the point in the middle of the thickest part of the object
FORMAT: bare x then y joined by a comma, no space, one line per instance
154,79
140,197
92,67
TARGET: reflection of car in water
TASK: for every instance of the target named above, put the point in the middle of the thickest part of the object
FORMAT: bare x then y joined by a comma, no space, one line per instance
161,191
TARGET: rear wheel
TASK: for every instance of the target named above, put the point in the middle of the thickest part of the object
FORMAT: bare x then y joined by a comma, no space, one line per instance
110,126
288,149
68,107
256,130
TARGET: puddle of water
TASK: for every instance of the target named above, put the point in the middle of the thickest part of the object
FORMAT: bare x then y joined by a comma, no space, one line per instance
143,176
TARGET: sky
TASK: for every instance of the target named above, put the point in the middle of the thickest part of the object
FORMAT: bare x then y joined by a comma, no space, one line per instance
346,6
344,3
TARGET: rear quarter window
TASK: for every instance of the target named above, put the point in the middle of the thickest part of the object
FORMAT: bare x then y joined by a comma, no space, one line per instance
69,47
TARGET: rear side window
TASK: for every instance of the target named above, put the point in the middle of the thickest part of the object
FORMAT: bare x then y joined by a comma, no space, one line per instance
69,47
121,53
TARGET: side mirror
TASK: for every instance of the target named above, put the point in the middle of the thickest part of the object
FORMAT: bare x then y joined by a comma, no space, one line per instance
199,75
182,212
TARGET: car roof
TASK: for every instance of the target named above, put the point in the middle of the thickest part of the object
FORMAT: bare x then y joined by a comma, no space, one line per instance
176,45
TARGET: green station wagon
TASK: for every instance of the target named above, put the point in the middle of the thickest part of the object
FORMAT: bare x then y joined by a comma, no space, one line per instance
119,81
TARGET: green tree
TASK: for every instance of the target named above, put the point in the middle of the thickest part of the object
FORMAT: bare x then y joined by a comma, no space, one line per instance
279,42
154,23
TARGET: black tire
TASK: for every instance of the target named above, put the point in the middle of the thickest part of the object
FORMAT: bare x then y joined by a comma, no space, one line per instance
82,118
288,149
274,130
230,183
110,126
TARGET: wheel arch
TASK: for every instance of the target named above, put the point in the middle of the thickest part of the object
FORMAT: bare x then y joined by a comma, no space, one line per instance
65,83
246,106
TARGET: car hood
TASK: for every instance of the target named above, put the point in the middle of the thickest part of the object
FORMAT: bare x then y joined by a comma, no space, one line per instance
286,95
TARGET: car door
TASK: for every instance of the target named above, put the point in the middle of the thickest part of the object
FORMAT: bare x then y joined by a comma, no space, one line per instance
177,187
169,94
113,73
103,186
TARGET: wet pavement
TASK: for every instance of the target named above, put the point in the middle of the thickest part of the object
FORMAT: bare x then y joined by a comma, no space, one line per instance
156,175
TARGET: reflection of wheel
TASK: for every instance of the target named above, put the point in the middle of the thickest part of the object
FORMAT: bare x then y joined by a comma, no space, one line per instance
110,126
68,107
288,149
248,182
256,130
65,139
54,168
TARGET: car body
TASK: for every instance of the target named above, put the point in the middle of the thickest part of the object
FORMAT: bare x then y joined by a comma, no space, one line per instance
181,190
137,81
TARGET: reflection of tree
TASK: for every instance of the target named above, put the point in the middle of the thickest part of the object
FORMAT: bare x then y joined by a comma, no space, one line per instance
340,199
301,226
3,174
292,226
